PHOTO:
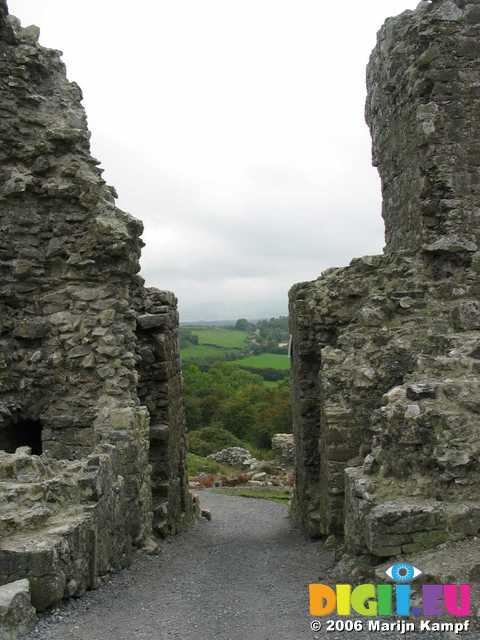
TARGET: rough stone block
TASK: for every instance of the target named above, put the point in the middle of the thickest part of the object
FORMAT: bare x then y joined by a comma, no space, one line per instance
17,615
466,316
30,329
149,322
283,445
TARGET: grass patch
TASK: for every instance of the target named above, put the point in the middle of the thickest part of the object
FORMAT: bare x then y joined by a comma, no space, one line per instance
264,361
260,454
268,493
198,464
225,338
273,384
203,352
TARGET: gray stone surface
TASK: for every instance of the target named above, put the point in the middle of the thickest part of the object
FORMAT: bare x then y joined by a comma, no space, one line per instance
92,442
17,615
234,456
385,351
283,445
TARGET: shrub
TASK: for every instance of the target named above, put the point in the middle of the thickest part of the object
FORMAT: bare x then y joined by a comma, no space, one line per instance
209,440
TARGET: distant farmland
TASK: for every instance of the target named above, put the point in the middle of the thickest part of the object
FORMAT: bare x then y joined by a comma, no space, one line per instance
226,338
215,345
218,344
264,361
201,352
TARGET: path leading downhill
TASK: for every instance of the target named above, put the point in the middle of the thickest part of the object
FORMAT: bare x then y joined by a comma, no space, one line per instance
242,576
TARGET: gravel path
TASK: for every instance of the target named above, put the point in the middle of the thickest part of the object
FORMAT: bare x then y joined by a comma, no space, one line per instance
242,576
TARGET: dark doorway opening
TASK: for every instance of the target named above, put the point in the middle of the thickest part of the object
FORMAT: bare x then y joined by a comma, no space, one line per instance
21,433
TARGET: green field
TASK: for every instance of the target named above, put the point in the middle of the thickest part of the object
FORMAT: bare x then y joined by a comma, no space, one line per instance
206,352
215,345
219,337
264,361
218,344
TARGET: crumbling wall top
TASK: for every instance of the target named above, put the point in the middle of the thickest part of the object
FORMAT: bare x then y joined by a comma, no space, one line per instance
6,31
423,105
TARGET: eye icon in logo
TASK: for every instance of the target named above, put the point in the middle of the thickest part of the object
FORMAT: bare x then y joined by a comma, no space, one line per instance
403,572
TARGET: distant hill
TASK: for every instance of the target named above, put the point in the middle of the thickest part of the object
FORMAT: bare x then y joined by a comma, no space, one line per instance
209,323
225,323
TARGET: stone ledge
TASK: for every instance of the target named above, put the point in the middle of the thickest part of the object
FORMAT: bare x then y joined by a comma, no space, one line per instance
17,615
149,321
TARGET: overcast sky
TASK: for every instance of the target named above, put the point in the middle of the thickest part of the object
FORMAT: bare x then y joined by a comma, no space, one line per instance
234,129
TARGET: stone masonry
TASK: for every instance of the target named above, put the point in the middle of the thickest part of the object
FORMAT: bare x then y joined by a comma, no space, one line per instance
92,442
386,351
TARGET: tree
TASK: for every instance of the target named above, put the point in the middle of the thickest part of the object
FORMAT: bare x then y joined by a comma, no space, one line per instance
229,399
242,325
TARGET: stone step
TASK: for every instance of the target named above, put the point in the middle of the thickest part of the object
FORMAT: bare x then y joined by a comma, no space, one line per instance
59,557
449,562
53,490
23,467
17,616
25,518
21,493
404,525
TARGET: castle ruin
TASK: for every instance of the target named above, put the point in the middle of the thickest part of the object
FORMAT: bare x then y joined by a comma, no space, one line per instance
92,432
386,352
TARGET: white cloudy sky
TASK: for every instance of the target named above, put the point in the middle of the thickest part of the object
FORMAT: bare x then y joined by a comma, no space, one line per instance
234,129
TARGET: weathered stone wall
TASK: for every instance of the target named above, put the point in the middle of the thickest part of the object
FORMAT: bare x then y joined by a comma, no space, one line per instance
423,89
84,347
385,351
161,391
306,412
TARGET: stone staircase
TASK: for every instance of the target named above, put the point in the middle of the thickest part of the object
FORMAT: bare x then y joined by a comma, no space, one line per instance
421,493
52,524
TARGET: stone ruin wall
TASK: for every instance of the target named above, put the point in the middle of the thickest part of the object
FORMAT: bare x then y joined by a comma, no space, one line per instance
386,351
89,363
